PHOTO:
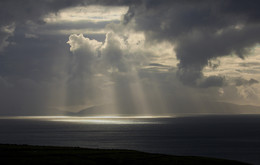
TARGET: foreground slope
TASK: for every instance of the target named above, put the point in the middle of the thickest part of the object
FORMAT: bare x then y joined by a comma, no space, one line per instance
42,155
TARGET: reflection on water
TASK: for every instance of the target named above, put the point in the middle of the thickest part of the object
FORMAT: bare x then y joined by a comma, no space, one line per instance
102,121
232,136
95,119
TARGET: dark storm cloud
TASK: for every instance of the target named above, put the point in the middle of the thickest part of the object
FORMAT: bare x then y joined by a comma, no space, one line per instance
15,13
212,81
38,73
201,30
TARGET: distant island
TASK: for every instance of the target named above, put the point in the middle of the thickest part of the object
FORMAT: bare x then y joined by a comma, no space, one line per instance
46,155
212,108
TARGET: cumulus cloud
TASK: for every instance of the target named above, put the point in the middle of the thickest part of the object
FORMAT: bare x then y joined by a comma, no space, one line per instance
79,42
127,63
116,54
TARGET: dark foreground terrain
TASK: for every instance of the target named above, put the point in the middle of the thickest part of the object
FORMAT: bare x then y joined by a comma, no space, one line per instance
25,154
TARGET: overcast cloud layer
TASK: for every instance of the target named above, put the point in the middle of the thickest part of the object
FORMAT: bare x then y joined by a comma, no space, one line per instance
129,57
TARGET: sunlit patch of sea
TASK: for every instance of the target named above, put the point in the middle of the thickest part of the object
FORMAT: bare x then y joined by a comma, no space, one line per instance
223,136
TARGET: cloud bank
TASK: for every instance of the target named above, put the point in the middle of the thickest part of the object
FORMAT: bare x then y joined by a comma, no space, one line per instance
131,57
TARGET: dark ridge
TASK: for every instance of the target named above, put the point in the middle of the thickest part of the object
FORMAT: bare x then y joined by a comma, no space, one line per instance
43,155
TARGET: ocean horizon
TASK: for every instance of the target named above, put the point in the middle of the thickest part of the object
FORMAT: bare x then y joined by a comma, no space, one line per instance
235,137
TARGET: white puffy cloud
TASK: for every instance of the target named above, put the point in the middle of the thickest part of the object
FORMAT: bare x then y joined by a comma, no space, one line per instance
117,53
81,43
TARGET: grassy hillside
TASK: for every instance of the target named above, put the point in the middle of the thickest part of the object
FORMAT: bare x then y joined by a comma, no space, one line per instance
44,155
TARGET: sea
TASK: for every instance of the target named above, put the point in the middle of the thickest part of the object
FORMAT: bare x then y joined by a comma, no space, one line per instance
235,137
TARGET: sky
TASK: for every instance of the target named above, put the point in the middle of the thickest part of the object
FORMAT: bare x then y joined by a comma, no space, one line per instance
137,57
